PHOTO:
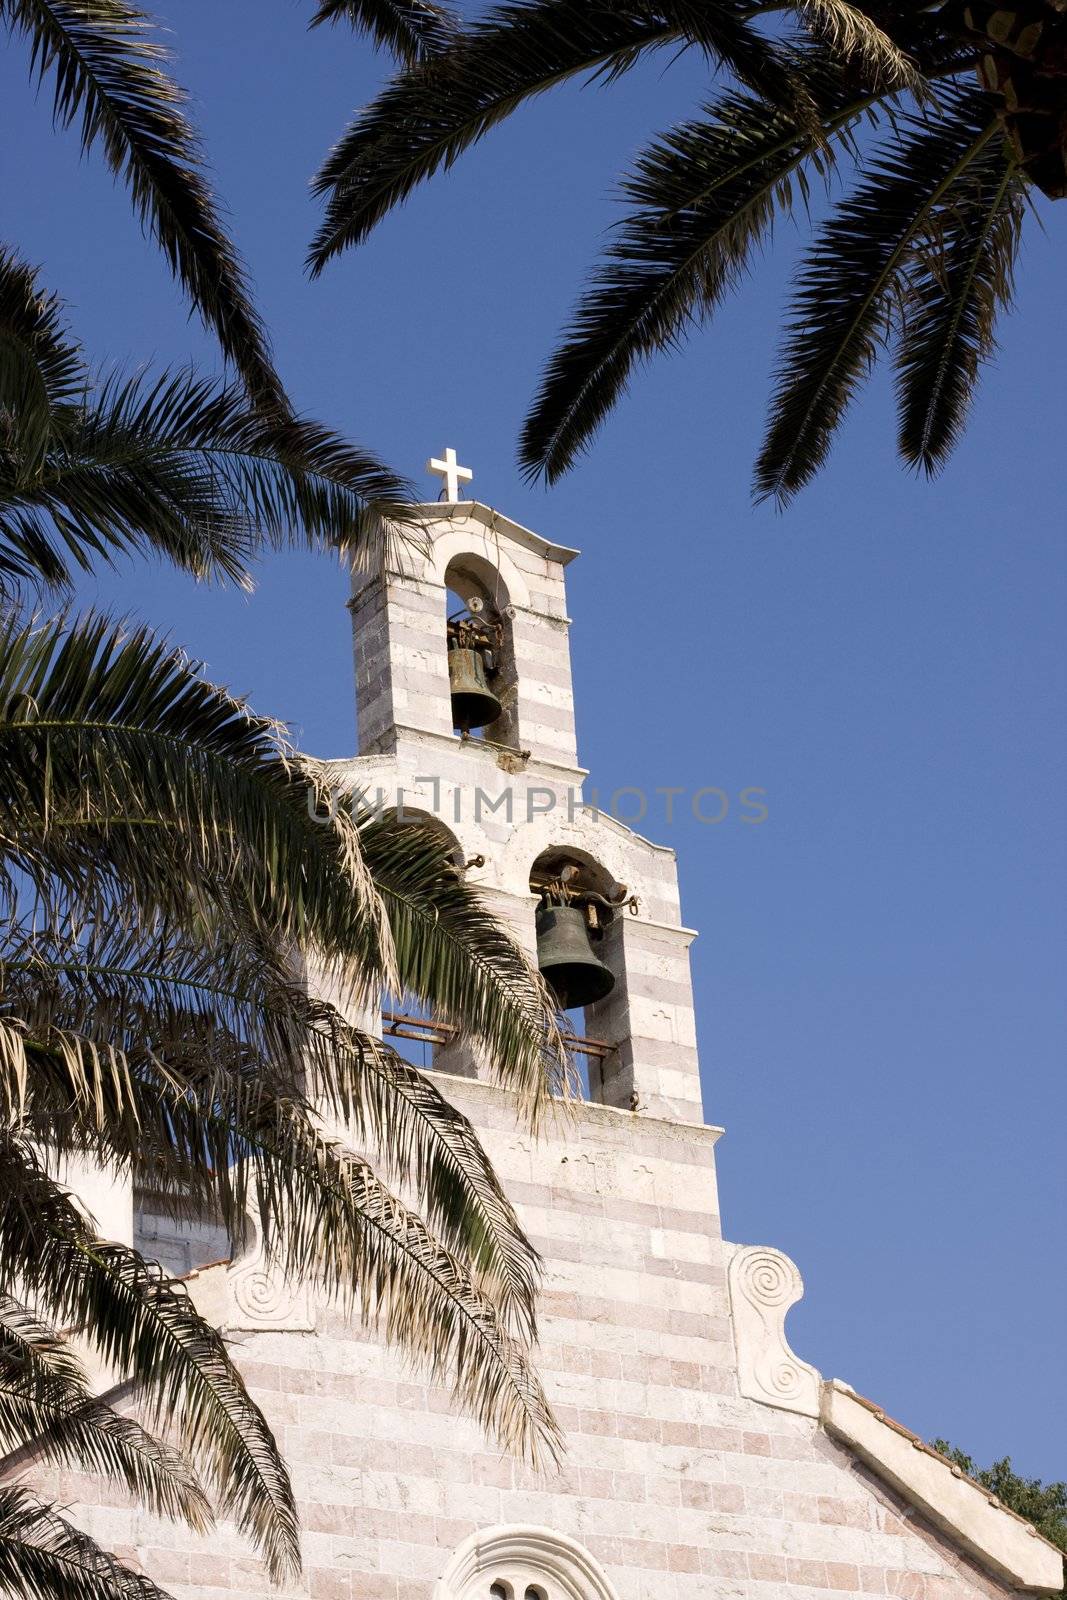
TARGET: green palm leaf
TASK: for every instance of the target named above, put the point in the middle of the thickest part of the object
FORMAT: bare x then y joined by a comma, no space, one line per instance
960,282
109,738
173,465
108,72
147,1329
176,465
426,118
42,1557
453,955
709,190
105,736
852,281
707,195
39,368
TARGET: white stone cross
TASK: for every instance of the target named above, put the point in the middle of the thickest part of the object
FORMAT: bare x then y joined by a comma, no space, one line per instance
451,473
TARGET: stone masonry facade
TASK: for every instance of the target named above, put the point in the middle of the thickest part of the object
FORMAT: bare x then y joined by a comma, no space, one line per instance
704,1460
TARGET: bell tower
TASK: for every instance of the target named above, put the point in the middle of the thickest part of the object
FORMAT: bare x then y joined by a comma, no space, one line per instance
465,716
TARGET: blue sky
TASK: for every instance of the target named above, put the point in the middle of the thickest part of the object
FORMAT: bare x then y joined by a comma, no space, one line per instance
880,971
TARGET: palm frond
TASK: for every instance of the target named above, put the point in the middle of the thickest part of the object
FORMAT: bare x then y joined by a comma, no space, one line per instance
29,1348
961,279
411,29
43,1557
707,194
39,368
110,74
47,1413
167,1058
856,37
425,1300
105,735
174,464
179,466
428,1146
851,283
146,1328
427,117
457,958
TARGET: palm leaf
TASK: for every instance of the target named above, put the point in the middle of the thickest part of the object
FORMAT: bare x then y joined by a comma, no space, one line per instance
856,37
173,465
39,368
106,735
962,278
155,1055
454,956
43,1557
147,1329
433,112
847,290
427,117
411,29
177,465
108,72
707,195
47,1413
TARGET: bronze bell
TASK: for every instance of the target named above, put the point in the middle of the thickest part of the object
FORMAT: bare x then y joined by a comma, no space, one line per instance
565,956
474,704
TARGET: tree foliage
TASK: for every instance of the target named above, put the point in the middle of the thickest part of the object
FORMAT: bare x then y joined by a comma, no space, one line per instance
169,875
1043,1504
943,116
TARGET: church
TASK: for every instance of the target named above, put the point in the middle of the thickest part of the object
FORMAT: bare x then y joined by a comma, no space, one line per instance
704,1459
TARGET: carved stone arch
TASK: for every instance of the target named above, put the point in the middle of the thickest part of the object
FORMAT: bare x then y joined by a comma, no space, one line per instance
486,557
584,834
519,1557
409,815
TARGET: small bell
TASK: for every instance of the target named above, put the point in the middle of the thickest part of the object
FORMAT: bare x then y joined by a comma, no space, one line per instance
474,705
576,976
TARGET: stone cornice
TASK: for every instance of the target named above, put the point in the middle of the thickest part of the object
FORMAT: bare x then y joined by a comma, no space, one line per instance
1005,1544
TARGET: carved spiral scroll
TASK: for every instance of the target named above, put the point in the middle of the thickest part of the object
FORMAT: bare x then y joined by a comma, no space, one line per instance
262,1297
768,1278
764,1283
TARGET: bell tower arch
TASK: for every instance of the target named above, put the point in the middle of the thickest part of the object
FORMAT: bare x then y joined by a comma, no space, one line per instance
469,602
400,618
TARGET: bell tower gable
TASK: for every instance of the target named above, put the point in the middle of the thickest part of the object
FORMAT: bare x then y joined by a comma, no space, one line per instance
405,617
466,711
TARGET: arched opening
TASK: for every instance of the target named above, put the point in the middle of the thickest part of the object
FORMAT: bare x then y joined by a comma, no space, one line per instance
409,1025
523,1563
481,652
578,903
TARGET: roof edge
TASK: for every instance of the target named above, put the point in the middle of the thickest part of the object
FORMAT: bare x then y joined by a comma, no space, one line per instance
447,511
995,1536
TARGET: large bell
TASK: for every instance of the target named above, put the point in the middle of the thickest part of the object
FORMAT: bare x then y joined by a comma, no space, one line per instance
473,702
574,974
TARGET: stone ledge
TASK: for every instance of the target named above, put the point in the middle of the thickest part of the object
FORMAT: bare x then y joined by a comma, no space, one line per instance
1005,1544
563,1114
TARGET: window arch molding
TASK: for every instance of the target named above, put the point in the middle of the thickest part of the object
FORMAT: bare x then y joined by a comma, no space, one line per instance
523,1557
485,556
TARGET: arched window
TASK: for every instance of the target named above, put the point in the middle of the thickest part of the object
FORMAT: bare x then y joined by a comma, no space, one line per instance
523,1563
481,650
408,1025
578,904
